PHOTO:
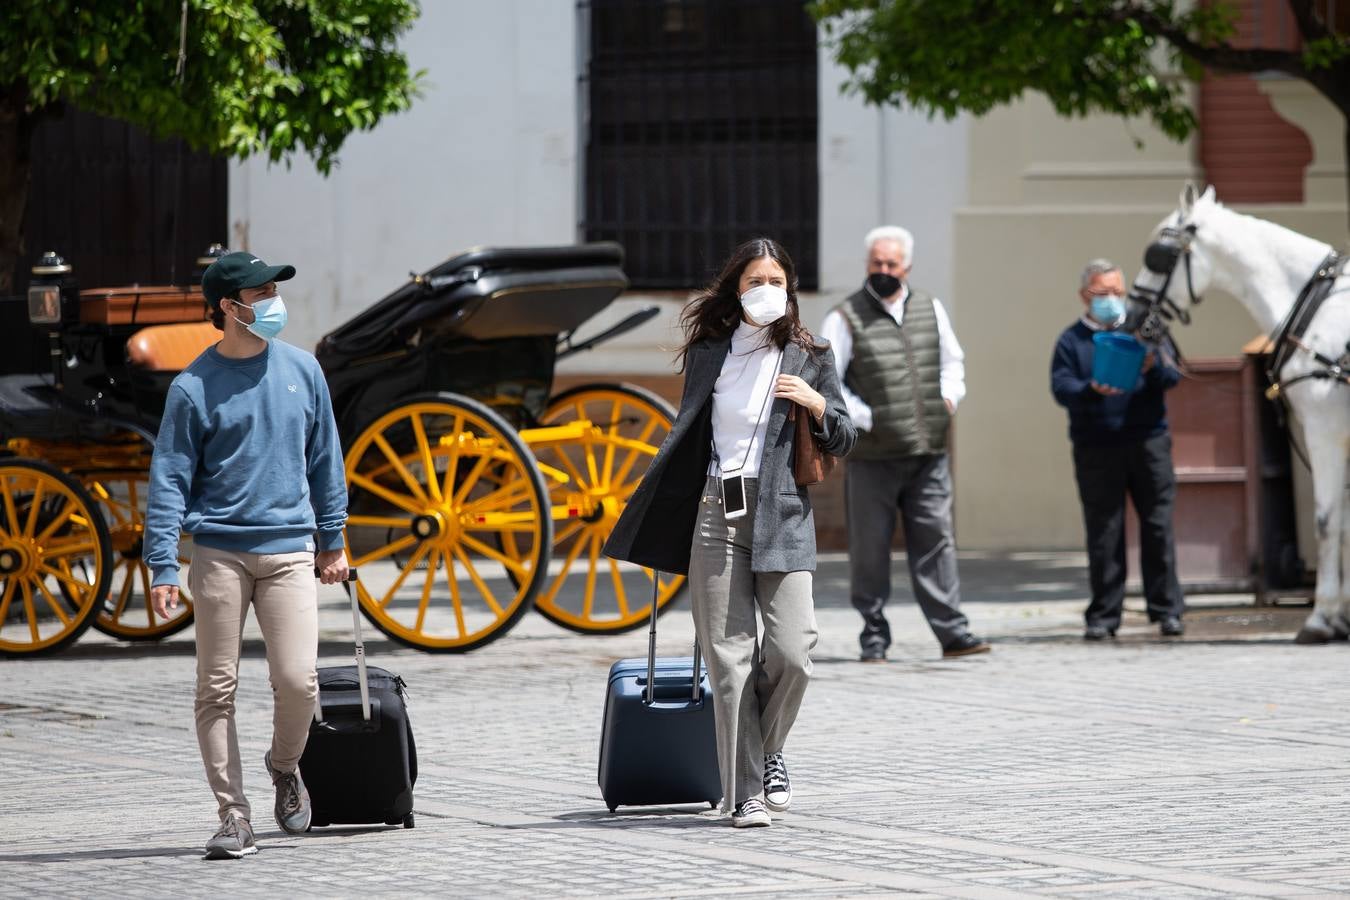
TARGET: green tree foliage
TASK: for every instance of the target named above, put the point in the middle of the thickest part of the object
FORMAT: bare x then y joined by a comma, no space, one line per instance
1123,57
272,77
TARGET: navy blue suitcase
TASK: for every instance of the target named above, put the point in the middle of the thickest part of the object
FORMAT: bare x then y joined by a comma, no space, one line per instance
658,743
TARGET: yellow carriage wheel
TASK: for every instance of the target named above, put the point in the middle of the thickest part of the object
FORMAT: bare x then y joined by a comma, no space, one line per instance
448,523
126,613
590,592
55,558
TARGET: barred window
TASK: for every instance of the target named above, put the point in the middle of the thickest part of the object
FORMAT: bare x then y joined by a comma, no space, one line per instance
700,126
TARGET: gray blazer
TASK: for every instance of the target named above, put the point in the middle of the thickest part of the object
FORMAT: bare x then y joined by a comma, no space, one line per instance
657,526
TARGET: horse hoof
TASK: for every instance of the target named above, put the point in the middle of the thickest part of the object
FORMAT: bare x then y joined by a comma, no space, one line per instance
1308,635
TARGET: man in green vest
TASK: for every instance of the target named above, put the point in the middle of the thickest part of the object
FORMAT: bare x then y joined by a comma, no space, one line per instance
903,374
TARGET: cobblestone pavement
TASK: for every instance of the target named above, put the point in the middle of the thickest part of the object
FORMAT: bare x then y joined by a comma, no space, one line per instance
1218,765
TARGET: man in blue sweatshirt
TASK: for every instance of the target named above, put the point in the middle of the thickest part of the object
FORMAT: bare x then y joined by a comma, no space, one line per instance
1120,445
248,462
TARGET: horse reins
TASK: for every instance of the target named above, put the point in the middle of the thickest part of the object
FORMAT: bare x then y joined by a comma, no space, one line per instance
1161,257
1173,246
1287,338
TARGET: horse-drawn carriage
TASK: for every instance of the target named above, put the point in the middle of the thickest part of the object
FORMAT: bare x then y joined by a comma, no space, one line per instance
474,490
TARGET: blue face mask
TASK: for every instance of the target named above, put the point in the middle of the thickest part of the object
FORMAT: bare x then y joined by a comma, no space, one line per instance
1108,309
269,317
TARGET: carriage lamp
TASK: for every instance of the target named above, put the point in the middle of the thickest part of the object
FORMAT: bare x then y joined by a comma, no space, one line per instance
52,281
212,253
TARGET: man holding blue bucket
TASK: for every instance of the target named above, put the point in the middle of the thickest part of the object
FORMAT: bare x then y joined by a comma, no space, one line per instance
1113,388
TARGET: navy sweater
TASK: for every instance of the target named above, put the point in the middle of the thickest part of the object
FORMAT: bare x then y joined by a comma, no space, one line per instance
1098,421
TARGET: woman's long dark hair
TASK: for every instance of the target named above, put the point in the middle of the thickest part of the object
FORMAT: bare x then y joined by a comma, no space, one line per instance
716,311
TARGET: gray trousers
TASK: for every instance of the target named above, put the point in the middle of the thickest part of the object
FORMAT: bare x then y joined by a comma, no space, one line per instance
757,685
920,487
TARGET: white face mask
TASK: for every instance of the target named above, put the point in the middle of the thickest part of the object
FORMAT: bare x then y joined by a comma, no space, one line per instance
765,304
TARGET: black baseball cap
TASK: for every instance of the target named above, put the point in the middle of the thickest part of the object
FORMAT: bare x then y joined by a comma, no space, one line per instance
236,271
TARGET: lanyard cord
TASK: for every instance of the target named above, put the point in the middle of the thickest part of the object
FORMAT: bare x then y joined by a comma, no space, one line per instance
717,457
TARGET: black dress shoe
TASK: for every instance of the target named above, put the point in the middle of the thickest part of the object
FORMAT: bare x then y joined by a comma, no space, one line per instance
1098,633
873,654
1171,626
966,646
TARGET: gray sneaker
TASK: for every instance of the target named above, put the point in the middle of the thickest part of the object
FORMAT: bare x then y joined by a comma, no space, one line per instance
292,807
232,841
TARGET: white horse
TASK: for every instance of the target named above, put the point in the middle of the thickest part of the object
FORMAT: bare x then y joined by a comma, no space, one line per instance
1266,266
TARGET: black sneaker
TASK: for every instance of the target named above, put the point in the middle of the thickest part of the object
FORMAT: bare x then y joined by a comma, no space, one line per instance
777,788
967,645
1171,626
1098,633
292,808
873,654
233,841
751,814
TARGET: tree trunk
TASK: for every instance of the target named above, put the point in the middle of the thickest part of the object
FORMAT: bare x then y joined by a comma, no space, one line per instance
16,144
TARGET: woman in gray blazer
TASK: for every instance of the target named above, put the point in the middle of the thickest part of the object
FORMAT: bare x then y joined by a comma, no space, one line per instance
720,503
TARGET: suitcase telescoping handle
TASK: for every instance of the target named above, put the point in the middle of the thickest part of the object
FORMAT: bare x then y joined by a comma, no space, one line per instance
651,651
361,677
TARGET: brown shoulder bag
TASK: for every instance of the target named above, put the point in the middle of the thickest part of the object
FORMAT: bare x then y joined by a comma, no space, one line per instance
810,463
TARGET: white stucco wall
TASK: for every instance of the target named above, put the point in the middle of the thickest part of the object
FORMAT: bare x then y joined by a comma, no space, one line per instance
486,156
885,166
490,155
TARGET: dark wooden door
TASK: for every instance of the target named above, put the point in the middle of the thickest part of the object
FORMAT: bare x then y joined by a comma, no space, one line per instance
120,206
1210,416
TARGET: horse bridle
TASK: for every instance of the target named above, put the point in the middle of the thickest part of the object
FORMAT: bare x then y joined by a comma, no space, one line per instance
1170,247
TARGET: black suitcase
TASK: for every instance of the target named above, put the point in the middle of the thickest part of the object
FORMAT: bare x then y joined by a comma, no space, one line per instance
360,763
658,743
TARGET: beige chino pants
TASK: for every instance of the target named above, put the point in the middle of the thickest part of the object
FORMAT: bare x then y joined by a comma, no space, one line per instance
281,589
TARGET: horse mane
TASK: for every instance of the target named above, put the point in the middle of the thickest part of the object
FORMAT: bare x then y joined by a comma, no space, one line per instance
1259,232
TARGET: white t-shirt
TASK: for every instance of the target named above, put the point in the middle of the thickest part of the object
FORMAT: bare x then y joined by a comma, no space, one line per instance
741,401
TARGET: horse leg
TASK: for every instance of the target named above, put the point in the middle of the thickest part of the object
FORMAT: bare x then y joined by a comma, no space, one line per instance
1340,621
1326,452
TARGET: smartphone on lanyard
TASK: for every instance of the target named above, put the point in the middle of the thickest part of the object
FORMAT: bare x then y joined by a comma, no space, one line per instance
733,486
733,497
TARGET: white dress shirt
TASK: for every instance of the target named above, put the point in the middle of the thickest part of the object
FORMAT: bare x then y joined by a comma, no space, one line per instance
951,358
740,413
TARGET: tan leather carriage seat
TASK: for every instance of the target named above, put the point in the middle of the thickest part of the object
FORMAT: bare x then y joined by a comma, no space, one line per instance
170,348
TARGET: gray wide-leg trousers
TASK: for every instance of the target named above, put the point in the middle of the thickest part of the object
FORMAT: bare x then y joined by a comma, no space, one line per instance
919,488
757,684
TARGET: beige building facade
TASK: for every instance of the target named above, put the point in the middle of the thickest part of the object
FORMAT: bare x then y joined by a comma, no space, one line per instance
1046,195
1005,209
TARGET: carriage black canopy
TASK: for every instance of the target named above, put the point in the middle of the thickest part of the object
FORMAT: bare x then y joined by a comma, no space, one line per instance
486,293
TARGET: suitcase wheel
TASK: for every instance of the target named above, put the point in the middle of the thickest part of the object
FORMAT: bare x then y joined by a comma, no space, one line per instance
409,821
712,804
612,809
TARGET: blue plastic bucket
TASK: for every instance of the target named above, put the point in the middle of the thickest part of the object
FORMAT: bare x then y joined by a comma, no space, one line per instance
1116,359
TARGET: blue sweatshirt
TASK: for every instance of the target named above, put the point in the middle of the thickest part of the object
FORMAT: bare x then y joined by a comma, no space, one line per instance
1099,421
247,459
